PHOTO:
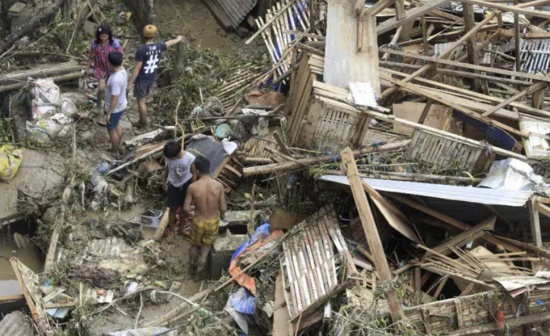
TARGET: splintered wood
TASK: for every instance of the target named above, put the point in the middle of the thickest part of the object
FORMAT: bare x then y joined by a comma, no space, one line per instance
309,263
282,24
447,154
243,78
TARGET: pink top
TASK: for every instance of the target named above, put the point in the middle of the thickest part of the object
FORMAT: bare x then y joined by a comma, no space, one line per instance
99,53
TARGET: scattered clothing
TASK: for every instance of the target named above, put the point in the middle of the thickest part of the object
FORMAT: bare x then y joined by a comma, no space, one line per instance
99,53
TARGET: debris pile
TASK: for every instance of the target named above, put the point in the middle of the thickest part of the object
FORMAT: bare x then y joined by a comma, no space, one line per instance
386,174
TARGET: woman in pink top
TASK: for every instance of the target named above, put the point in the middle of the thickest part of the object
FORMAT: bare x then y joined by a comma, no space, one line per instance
101,46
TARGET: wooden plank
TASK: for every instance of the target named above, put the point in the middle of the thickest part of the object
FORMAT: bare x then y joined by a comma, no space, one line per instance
371,231
464,237
395,222
48,263
534,220
438,116
343,64
513,9
444,134
534,88
469,24
28,298
411,15
436,96
469,66
474,95
448,52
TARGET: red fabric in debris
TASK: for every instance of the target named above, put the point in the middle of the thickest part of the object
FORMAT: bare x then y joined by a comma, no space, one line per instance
243,279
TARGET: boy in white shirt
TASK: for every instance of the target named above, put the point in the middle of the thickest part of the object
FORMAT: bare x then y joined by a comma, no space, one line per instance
115,99
181,173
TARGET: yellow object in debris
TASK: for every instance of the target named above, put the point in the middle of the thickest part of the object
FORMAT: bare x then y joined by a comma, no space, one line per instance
10,161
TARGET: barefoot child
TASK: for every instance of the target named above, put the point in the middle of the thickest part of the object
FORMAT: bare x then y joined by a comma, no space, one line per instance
208,196
115,100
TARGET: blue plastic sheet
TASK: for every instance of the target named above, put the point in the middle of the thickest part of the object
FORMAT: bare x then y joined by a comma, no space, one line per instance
243,301
261,232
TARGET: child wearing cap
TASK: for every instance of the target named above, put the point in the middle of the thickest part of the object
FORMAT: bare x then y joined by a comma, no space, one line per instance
147,58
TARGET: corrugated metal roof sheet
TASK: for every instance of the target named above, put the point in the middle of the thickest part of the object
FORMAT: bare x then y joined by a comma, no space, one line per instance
16,324
514,198
236,10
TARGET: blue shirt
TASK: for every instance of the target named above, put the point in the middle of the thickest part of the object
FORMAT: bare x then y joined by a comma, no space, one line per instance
150,54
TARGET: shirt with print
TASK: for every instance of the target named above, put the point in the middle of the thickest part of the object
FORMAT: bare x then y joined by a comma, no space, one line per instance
179,170
149,54
116,86
99,56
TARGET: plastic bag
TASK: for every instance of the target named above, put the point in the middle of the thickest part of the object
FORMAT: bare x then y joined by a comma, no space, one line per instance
68,107
10,161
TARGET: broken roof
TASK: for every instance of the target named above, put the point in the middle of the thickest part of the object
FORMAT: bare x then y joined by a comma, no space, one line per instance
514,198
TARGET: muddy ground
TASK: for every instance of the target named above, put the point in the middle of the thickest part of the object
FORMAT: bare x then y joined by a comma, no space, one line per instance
199,26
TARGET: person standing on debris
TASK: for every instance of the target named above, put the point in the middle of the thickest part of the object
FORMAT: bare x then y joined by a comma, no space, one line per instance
102,45
208,196
181,173
115,99
147,58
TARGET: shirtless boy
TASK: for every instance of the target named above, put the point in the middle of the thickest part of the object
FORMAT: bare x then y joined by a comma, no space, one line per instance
208,197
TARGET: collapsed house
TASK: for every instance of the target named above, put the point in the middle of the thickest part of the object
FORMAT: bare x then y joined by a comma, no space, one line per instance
433,114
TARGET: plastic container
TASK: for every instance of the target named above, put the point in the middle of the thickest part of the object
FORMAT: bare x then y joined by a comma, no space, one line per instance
151,218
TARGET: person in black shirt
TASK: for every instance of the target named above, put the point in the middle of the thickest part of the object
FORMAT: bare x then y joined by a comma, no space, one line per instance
147,58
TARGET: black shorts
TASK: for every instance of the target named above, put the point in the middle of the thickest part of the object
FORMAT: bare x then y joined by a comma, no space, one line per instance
176,195
142,90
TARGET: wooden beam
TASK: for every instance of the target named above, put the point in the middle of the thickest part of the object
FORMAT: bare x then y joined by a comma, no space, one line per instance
516,38
375,9
442,217
534,220
543,209
444,55
400,13
447,135
436,96
474,95
371,231
530,90
464,237
469,24
48,263
487,328
281,143
410,15
513,9
468,66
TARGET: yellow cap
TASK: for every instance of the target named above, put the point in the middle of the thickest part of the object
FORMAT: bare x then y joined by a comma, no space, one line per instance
150,31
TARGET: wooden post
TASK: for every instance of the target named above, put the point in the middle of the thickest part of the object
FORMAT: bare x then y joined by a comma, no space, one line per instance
469,24
371,231
51,251
425,35
538,99
400,13
535,222
517,38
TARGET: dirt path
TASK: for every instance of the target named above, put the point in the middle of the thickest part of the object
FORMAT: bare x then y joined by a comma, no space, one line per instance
193,19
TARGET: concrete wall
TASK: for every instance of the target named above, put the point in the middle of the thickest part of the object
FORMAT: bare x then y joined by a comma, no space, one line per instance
142,11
